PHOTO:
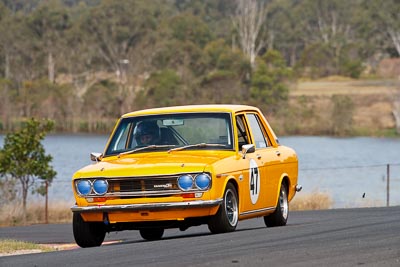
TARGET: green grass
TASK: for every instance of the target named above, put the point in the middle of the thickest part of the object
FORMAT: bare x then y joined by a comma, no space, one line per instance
389,133
9,246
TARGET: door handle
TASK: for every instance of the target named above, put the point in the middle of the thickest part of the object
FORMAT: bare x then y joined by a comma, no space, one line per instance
278,153
258,156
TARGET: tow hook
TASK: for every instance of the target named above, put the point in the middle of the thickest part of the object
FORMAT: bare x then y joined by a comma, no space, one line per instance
106,221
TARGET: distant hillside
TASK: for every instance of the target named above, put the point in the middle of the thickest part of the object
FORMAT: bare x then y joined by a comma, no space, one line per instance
368,108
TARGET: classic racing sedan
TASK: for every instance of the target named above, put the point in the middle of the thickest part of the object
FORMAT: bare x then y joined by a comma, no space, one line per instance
178,167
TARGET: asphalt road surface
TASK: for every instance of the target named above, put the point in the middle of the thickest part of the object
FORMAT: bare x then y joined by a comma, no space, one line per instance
345,237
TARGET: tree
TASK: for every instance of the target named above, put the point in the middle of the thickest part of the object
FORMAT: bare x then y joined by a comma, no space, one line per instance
106,105
386,18
114,29
44,99
8,32
6,103
163,88
386,15
225,79
186,36
285,32
268,82
329,27
249,19
23,157
48,23
21,58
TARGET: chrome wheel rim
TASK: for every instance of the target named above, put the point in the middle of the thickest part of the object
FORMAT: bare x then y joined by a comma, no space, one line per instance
231,207
283,202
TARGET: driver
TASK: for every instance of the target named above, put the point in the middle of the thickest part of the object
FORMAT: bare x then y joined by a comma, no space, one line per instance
146,133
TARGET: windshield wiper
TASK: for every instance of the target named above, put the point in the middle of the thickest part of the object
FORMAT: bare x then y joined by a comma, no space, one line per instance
201,145
143,148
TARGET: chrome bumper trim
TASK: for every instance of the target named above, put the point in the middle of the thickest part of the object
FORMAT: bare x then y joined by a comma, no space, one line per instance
257,211
149,206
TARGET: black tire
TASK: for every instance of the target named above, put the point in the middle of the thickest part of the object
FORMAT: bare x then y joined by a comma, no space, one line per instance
87,234
281,214
151,234
226,219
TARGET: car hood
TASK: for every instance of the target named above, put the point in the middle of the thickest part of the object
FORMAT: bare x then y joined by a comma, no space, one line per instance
151,164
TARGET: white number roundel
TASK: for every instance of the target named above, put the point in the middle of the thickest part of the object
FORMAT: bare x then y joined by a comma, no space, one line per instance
254,181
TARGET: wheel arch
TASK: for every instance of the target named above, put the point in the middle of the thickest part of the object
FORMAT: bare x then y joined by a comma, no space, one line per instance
284,180
235,183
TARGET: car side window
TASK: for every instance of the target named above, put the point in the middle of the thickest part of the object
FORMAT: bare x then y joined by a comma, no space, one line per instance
260,140
122,138
242,131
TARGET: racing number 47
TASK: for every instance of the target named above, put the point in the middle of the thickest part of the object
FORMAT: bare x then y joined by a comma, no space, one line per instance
253,181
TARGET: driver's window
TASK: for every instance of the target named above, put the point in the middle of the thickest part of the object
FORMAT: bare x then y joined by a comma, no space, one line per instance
242,131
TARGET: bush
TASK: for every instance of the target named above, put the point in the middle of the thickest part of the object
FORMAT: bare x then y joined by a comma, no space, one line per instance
268,85
342,115
316,61
352,68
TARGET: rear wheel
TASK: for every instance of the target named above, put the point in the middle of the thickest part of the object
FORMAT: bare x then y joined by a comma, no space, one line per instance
280,215
87,234
151,234
227,216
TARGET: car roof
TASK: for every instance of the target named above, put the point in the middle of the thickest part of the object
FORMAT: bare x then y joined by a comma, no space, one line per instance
192,108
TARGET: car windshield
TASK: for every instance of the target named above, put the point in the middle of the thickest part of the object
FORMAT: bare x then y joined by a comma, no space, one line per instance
176,132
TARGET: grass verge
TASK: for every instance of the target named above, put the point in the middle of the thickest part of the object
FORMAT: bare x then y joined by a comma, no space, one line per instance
12,215
311,201
14,247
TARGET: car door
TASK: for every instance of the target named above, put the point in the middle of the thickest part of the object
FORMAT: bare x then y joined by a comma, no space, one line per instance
267,159
252,187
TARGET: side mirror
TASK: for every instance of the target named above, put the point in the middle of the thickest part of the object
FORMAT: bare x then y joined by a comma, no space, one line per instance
249,148
96,156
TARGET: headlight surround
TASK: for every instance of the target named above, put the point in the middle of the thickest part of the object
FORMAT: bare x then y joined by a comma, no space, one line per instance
100,186
185,182
202,181
84,187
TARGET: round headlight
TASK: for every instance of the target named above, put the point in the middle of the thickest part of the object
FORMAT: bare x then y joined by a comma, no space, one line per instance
100,186
84,187
202,181
185,182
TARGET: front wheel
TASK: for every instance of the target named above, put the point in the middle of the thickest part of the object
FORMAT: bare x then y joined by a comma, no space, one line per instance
151,234
227,216
87,234
280,215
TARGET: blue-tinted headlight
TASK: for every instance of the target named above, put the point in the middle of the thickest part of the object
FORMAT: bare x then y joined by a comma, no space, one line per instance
84,187
100,186
185,182
202,181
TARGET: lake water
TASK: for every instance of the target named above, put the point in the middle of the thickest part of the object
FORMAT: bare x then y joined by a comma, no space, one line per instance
345,168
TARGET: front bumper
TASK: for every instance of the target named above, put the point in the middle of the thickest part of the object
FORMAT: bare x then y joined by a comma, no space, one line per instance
149,206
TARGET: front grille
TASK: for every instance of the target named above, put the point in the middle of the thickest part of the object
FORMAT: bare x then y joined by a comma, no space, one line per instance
143,186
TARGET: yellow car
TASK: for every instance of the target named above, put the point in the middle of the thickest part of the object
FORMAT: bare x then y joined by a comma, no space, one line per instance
178,167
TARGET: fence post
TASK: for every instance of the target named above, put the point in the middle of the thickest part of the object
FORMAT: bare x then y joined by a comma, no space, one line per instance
387,185
46,214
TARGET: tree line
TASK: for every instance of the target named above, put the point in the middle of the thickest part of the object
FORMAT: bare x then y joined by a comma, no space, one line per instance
82,63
